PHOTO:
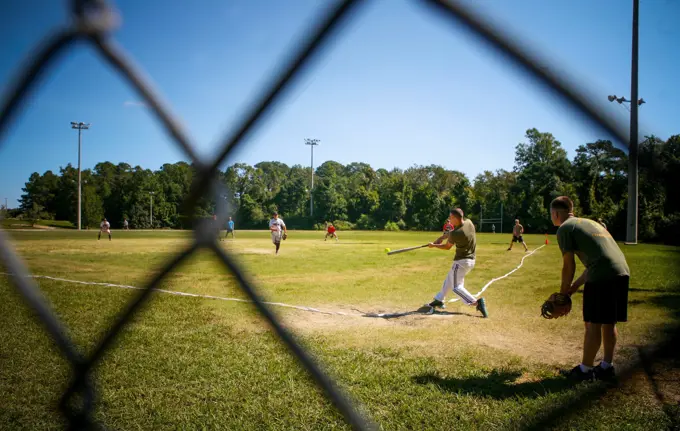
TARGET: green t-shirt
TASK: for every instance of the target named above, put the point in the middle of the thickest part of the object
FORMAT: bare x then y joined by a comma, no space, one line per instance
464,238
594,246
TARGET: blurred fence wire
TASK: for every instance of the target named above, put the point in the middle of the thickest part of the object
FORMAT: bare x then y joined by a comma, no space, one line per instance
93,22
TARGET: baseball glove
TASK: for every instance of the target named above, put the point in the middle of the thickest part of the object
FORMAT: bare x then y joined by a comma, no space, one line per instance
558,305
285,235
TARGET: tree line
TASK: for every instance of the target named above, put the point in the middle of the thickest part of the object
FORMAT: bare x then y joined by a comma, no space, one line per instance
356,196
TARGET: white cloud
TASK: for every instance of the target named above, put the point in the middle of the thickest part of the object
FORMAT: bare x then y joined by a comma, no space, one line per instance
129,103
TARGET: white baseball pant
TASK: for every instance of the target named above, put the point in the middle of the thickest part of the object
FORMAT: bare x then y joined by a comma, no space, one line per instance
455,281
276,236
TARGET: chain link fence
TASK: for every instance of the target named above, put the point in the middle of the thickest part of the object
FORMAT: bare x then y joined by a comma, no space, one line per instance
93,22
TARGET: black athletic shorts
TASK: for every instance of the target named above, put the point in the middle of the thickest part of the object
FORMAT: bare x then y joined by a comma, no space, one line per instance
606,301
517,238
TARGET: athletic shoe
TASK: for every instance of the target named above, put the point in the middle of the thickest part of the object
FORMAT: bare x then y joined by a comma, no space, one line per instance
436,304
508,249
606,375
576,375
481,307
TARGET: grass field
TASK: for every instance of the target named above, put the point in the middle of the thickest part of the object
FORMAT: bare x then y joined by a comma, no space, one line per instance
12,223
197,363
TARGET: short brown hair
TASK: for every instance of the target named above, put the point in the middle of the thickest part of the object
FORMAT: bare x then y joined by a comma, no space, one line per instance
562,203
458,213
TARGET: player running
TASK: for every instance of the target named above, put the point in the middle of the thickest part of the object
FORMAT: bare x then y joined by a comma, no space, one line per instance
605,294
104,226
278,230
230,229
330,231
517,231
464,237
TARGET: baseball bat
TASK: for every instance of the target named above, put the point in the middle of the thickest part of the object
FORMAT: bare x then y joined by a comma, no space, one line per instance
401,250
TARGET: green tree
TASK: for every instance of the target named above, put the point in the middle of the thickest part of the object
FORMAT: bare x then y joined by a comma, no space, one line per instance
35,213
544,172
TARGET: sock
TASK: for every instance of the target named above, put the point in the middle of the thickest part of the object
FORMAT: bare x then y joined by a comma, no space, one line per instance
585,368
604,365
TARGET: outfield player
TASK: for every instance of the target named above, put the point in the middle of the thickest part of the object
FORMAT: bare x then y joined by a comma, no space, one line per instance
463,236
605,294
230,229
104,226
330,231
517,231
126,225
278,230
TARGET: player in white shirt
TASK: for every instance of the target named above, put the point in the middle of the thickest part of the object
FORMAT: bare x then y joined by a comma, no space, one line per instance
278,230
105,226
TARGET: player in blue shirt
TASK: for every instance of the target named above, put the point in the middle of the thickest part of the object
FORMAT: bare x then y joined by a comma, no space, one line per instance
230,228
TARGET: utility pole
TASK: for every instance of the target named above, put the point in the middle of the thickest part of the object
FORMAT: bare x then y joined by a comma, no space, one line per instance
312,143
632,228
80,126
632,213
481,218
151,210
501,216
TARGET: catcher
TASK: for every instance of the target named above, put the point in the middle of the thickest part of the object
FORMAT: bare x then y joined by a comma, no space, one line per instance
278,230
605,294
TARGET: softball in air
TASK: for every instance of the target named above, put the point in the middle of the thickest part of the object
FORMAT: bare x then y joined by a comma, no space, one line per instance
387,250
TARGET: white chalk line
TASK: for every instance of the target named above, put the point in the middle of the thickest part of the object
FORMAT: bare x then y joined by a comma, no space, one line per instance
195,295
493,280
276,304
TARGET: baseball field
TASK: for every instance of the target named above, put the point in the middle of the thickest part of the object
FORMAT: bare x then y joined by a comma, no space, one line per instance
193,362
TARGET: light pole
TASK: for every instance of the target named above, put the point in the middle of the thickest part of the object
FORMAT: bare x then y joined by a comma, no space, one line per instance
312,143
151,209
632,213
632,217
80,126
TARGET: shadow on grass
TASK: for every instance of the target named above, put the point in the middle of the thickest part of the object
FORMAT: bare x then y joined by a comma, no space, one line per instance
498,385
422,311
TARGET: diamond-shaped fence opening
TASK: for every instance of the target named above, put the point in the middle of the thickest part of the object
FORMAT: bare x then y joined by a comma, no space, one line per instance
93,21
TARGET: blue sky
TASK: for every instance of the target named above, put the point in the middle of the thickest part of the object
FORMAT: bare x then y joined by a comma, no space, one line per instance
399,87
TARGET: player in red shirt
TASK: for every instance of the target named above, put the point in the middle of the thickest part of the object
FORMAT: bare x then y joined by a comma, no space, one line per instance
448,227
330,231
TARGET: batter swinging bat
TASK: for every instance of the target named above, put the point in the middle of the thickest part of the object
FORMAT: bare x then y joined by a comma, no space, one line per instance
401,250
